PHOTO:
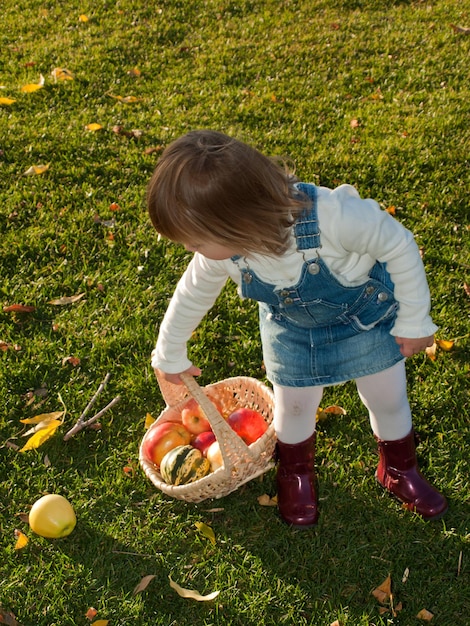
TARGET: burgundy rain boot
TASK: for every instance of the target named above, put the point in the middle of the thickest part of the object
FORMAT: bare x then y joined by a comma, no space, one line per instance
398,472
296,495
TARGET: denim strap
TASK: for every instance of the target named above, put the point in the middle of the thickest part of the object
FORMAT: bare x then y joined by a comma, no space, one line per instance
306,228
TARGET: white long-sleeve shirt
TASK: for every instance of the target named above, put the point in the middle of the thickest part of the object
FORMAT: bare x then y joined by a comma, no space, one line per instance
355,233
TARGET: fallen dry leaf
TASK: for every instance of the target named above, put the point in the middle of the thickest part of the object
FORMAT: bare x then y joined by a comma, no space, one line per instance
100,622
460,29
431,352
126,99
83,18
41,436
466,288
444,344
21,539
35,170
4,346
19,308
61,73
193,595
266,500
44,417
91,613
144,583
334,409
32,87
206,531
7,101
149,420
93,127
66,300
384,591
73,360
425,615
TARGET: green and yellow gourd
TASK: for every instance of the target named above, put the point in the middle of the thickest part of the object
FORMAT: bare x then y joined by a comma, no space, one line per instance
184,464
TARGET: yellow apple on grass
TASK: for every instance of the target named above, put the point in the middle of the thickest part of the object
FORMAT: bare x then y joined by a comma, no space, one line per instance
52,516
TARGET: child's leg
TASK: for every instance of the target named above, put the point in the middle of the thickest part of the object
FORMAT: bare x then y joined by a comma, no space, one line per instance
385,397
295,409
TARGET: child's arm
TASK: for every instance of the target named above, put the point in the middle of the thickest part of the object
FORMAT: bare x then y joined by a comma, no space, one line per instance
361,228
194,295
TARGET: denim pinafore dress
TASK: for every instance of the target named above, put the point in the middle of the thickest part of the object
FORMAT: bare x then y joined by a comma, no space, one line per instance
319,332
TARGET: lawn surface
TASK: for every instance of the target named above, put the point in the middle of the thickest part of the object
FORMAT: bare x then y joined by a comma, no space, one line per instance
375,94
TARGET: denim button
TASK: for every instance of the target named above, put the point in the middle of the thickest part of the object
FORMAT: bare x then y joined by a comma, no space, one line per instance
284,293
382,296
247,278
369,290
288,301
313,268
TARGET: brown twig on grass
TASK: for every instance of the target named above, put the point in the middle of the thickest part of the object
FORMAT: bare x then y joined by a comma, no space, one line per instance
81,422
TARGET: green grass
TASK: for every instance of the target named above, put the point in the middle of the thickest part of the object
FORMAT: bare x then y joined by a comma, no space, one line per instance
288,77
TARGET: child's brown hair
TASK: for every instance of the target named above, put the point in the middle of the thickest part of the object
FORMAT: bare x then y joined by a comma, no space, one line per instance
210,187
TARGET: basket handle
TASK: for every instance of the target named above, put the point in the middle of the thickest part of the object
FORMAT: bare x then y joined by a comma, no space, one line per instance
225,435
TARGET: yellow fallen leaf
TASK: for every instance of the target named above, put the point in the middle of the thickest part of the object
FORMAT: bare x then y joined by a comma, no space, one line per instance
100,622
266,500
43,417
35,170
32,87
41,436
144,583
193,595
149,420
61,73
67,300
206,531
93,126
444,344
126,99
42,426
425,615
83,18
21,539
7,101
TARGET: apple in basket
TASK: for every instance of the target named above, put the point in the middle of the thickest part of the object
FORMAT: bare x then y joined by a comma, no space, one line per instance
214,456
248,424
193,416
203,441
163,437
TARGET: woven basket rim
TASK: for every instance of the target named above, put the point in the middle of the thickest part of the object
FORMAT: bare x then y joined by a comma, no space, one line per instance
220,482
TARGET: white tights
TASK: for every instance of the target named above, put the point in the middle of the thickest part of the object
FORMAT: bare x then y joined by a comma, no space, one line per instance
383,394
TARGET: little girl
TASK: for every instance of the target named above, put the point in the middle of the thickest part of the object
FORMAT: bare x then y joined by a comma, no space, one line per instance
342,295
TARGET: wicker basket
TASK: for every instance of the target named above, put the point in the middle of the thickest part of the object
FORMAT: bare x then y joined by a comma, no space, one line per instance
242,463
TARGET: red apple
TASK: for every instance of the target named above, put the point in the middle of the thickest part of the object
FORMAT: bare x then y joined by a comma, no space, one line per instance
161,438
193,416
203,441
248,424
214,456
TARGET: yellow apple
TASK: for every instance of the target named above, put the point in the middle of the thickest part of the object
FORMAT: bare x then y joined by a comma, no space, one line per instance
52,516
